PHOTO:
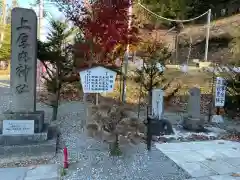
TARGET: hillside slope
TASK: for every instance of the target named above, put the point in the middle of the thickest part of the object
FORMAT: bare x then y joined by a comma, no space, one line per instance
220,36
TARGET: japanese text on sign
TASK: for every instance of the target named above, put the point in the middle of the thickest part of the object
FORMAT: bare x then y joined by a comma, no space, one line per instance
220,92
23,68
97,81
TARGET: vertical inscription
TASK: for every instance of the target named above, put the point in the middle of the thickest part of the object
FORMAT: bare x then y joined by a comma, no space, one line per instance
23,68
23,59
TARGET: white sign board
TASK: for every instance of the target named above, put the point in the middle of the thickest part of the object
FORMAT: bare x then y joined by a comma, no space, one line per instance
18,127
97,80
220,92
157,102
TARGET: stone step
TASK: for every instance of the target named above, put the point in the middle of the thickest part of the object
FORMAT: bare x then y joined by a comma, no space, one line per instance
36,149
25,139
32,149
39,172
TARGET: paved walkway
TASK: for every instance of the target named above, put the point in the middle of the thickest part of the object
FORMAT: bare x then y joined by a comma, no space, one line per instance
41,172
206,160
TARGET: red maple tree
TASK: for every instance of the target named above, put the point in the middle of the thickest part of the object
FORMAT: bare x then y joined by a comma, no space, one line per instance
104,24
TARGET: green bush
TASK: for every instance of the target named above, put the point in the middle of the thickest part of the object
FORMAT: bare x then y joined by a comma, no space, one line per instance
233,94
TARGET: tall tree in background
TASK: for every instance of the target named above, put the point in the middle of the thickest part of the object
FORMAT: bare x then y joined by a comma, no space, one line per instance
55,52
104,25
3,10
235,47
150,75
5,31
174,9
5,47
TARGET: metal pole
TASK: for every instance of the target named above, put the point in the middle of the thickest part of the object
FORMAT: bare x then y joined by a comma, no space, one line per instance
208,34
212,94
140,93
125,76
126,56
96,98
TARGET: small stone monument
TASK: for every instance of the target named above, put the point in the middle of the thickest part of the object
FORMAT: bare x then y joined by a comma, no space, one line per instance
193,120
22,125
159,125
157,103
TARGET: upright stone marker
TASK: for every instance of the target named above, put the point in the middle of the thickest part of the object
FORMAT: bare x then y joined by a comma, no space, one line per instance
194,103
194,121
23,59
157,103
22,128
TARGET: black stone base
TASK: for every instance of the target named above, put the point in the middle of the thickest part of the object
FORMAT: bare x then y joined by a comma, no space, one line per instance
160,127
33,148
193,124
37,116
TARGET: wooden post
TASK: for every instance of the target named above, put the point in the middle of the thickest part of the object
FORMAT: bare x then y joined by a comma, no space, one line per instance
96,98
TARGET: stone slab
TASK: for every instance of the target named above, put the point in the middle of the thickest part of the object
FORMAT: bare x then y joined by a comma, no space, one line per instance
232,161
230,152
24,139
48,146
203,178
220,166
211,154
200,178
37,116
39,172
13,173
221,146
196,169
185,156
224,177
43,172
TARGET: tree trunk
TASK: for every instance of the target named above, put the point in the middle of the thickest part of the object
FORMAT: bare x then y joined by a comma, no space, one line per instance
150,97
55,105
54,113
114,147
57,94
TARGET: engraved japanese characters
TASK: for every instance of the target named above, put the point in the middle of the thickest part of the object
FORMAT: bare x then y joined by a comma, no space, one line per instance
23,59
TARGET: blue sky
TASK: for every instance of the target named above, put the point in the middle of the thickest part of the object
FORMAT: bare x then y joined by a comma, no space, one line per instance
51,10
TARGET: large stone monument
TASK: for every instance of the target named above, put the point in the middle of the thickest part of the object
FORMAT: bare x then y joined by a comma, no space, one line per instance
193,121
22,125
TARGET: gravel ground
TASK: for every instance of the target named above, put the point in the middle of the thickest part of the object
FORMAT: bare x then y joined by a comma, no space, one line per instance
90,159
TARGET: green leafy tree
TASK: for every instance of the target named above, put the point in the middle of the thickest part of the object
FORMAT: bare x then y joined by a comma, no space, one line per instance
5,45
115,124
154,57
56,51
235,47
232,78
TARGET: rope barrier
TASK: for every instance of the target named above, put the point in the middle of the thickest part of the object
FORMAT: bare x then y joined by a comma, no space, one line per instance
172,20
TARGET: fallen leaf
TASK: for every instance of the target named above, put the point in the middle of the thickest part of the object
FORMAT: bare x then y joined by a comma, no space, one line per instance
235,175
210,159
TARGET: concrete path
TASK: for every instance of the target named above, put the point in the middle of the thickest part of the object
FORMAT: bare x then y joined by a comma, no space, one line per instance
40,172
206,160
